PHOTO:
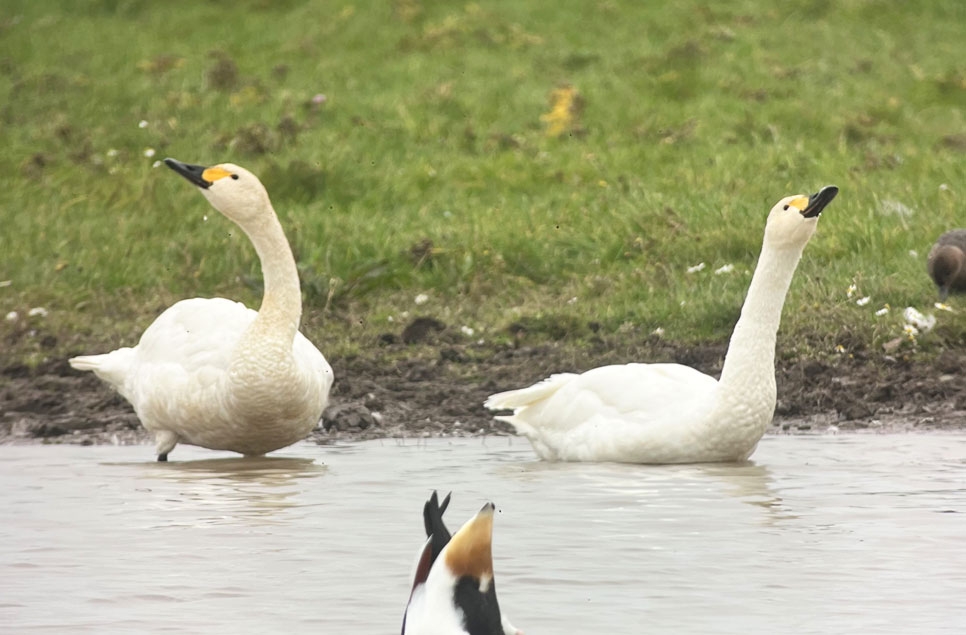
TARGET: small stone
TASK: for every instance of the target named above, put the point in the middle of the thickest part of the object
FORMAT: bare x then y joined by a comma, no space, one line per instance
347,417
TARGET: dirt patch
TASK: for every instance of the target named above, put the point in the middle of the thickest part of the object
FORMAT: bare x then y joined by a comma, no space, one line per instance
434,384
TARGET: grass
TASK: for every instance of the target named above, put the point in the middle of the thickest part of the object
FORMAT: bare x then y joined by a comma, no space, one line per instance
428,168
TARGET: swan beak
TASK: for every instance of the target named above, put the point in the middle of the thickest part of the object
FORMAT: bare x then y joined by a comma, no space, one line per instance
818,201
194,173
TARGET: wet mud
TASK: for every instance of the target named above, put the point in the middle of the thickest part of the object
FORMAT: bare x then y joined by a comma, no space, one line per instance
429,382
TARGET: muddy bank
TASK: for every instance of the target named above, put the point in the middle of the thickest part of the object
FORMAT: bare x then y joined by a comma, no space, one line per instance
431,383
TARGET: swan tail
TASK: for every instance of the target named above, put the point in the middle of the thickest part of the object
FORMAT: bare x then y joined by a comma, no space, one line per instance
112,367
513,399
86,362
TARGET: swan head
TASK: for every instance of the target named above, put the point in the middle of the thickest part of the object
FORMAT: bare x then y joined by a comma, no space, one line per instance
231,189
793,220
453,588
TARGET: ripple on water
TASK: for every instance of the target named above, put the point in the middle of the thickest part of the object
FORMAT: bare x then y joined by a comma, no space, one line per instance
816,535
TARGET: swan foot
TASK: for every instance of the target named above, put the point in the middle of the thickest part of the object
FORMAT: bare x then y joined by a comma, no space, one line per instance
164,440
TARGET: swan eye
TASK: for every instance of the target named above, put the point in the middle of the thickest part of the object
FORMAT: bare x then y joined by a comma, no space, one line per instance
235,178
786,207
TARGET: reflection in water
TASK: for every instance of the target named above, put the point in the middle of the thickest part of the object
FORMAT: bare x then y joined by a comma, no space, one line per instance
751,483
232,487
747,482
263,469
818,535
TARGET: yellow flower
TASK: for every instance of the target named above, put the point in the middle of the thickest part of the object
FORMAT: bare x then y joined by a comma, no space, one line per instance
565,106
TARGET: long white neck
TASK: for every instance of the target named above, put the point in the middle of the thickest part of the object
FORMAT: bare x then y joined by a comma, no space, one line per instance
750,361
281,310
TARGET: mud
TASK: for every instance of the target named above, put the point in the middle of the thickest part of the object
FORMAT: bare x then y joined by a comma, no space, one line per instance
429,381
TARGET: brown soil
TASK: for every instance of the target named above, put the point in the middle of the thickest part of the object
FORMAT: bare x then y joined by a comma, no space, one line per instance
430,382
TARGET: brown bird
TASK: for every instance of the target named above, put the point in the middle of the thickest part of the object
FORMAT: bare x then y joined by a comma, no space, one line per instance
947,263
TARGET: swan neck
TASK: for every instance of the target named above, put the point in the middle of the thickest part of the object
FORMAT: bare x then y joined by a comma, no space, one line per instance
281,308
750,360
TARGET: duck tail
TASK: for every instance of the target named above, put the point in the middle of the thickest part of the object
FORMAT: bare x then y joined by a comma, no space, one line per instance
436,530
513,399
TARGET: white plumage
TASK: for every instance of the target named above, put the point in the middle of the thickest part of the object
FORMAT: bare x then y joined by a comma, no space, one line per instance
213,373
669,413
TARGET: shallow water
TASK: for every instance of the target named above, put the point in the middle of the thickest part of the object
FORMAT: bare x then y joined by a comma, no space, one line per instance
836,534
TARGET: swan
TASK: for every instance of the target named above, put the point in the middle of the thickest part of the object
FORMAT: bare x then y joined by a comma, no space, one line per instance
211,372
946,263
453,588
669,413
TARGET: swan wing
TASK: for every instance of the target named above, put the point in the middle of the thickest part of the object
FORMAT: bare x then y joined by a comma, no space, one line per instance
639,391
191,339
314,368
195,334
529,396
182,360
597,412
200,335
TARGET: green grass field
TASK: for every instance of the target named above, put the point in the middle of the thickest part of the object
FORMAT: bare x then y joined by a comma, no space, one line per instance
432,166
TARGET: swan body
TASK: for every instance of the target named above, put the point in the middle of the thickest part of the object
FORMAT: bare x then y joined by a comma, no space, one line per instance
211,372
670,413
453,589
946,263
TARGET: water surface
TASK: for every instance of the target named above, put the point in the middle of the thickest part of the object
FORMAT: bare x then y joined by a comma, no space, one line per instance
835,534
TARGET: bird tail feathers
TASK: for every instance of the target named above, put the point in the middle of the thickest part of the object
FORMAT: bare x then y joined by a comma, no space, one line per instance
86,362
112,367
513,399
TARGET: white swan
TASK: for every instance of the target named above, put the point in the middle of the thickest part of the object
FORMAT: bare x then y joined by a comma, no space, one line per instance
669,413
453,588
213,373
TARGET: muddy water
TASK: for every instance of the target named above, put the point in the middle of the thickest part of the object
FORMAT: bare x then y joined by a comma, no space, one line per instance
839,534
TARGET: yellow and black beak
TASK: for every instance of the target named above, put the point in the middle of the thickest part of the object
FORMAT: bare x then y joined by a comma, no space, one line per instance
194,173
818,201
